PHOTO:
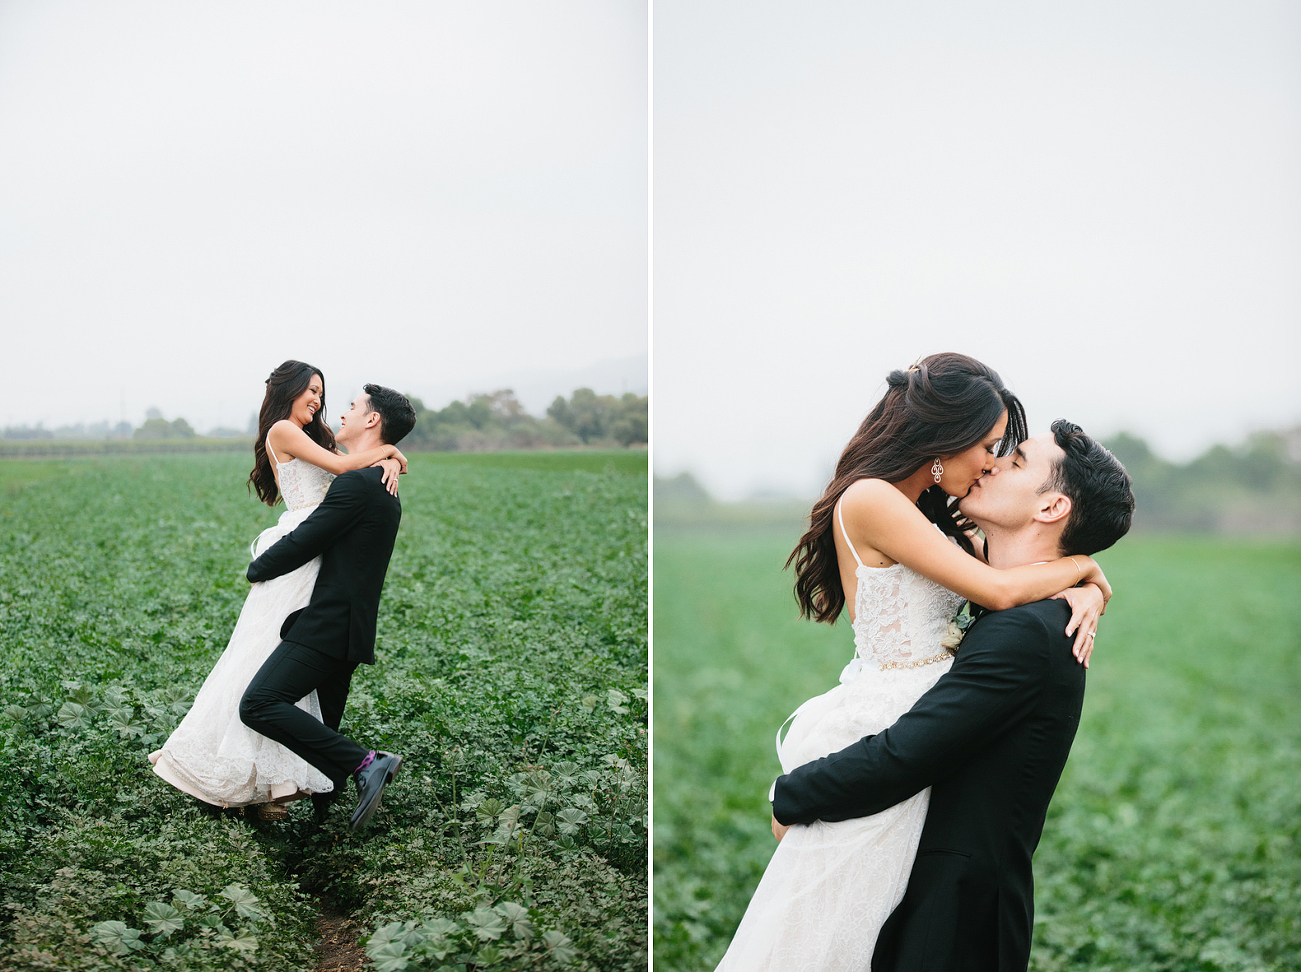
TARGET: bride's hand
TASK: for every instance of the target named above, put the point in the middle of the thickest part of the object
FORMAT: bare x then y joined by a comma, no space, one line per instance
399,458
778,829
392,468
1094,575
1087,604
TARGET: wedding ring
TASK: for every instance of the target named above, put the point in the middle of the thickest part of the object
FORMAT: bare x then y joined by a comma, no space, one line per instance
1090,634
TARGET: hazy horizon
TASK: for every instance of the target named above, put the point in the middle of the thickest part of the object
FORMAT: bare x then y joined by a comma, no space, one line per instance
534,389
431,195
1102,202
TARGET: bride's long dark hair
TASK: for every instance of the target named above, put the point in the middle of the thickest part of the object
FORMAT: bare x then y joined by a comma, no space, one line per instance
943,405
285,384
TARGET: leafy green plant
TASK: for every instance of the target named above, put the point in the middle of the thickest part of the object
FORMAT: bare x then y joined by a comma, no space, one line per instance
515,592
1174,838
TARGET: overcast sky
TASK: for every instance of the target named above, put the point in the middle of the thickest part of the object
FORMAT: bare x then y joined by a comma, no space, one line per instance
425,194
1100,200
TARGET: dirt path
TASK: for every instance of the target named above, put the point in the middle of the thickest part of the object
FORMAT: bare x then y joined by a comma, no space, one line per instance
339,950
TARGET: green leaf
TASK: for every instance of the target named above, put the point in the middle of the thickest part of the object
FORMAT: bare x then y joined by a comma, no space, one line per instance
154,710
117,937
389,957
115,695
440,927
537,786
617,701
245,901
82,695
570,819
486,924
391,932
545,824
188,899
15,713
488,956
560,947
124,721
74,715
517,919
245,942
116,712
163,919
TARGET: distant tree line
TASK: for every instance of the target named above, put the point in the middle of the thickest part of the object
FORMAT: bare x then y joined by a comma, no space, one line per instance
481,423
597,418
497,420
82,430
1252,488
157,427
154,427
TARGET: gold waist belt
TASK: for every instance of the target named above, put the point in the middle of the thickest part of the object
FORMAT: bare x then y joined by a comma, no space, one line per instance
918,664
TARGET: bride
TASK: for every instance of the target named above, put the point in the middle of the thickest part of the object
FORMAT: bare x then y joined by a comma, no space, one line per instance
887,542
212,755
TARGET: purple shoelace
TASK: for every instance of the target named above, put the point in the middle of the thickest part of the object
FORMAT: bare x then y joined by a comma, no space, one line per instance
370,758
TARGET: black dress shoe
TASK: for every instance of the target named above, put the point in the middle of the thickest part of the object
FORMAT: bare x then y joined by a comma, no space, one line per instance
370,787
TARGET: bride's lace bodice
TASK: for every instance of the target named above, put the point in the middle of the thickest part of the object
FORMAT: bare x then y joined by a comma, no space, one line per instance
899,615
302,484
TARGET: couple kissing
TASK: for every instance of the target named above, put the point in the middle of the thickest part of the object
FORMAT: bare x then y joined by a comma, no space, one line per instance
914,793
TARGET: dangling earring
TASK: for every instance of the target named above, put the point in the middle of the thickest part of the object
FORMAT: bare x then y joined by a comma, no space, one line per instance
937,470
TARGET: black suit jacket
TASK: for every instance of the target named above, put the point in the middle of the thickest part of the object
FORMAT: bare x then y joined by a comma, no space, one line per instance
991,739
353,531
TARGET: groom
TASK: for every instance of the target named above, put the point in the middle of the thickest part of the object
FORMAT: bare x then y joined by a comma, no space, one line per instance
353,532
992,736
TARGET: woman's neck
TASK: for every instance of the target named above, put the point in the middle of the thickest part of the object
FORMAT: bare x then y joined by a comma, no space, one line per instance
916,484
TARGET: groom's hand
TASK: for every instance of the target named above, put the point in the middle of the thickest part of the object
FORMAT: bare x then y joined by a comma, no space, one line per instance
778,829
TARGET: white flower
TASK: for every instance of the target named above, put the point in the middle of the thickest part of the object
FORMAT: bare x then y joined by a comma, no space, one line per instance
952,637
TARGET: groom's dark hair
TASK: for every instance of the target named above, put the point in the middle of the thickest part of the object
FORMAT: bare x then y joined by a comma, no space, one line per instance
1099,488
396,416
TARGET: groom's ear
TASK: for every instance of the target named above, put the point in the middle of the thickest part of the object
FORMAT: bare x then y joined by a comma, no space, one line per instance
1054,507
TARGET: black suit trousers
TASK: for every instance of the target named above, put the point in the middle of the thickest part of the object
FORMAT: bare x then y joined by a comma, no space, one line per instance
269,707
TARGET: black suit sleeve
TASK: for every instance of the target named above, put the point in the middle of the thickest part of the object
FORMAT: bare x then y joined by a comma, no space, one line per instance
343,505
995,680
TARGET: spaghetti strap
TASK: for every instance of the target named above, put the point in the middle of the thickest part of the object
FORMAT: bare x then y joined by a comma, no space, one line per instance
843,532
279,463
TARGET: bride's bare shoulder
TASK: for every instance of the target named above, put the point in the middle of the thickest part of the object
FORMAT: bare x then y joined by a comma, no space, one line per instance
283,437
866,496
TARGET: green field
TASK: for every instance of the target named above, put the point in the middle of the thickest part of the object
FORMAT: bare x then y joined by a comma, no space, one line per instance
1174,840
511,675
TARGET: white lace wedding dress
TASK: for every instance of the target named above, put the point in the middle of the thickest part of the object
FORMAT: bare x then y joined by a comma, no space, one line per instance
830,886
212,755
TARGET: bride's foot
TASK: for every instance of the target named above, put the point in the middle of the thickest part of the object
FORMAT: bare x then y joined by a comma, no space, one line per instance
272,811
